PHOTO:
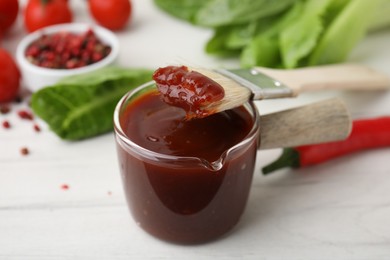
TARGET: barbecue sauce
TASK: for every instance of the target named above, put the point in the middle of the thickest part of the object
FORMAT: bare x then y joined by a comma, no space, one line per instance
202,194
189,90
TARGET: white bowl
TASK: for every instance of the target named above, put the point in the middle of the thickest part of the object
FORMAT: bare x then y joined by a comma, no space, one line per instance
35,77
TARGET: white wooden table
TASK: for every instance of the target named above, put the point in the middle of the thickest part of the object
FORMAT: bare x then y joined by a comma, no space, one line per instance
337,210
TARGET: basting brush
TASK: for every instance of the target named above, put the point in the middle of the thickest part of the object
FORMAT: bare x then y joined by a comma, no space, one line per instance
258,83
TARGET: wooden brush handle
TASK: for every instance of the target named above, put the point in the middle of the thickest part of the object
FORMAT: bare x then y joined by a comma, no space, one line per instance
340,76
319,122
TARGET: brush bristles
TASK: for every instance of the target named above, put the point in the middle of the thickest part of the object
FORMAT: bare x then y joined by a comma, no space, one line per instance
235,94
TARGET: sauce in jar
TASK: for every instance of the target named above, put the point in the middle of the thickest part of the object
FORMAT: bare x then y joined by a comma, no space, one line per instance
186,181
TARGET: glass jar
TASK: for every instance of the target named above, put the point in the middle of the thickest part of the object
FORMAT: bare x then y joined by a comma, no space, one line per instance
185,199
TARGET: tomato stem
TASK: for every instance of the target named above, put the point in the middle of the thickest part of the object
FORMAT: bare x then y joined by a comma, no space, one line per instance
45,2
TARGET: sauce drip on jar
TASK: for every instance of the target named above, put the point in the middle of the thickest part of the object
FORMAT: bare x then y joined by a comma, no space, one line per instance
189,90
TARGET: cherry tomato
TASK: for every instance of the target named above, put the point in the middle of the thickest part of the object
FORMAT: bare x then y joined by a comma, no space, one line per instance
9,77
112,14
8,13
42,13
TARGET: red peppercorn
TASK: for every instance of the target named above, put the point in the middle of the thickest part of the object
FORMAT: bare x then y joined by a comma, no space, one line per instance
37,128
65,50
48,55
89,33
97,56
91,45
85,56
24,151
75,42
71,64
81,64
4,109
6,124
65,187
64,57
60,47
25,114
46,64
32,51
107,51
76,51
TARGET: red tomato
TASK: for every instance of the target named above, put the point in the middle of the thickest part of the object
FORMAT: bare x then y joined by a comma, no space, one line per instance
112,14
42,13
9,77
8,13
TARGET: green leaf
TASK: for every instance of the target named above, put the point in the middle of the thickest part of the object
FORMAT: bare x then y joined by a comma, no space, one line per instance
183,9
227,12
241,35
305,32
263,49
333,10
344,32
380,19
217,44
82,106
299,39
301,36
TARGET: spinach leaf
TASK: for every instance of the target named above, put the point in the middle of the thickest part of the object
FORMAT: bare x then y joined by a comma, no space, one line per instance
333,10
82,106
229,40
241,35
283,33
217,44
301,36
183,9
264,49
227,12
261,51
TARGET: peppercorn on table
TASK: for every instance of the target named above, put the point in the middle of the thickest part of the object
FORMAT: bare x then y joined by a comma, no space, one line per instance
64,199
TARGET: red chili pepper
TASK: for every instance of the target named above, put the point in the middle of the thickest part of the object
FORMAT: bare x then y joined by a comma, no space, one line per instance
366,134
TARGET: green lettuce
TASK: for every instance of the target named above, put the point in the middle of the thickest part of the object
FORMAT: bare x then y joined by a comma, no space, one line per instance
226,12
299,38
343,33
284,33
82,106
183,9
264,49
